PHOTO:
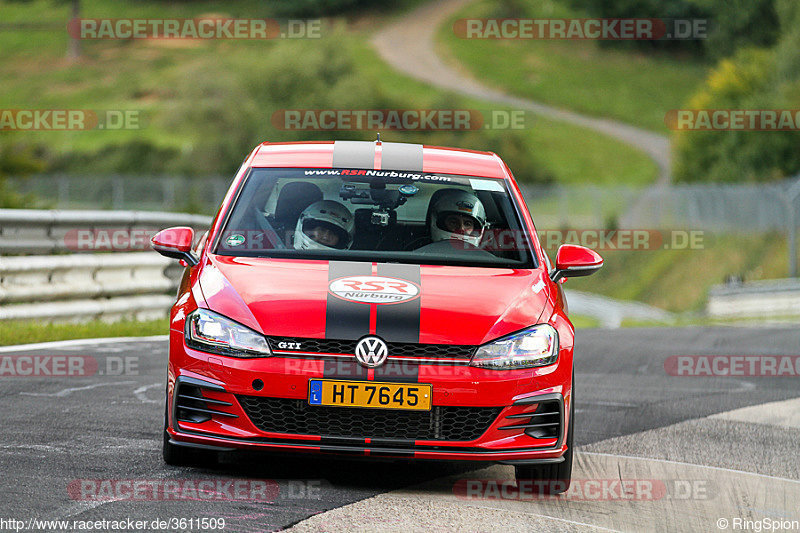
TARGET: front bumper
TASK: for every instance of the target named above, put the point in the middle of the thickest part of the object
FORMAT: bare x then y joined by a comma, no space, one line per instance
221,381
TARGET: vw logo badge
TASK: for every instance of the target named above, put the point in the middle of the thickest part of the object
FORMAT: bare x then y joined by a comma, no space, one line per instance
371,352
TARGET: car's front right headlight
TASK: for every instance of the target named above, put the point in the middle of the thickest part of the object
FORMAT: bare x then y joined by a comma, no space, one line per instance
532,347
211,332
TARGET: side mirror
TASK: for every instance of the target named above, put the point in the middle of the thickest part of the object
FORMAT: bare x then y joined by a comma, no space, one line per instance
175,243
573,261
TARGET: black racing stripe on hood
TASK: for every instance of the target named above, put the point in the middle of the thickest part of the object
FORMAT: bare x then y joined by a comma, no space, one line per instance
399,322
346,320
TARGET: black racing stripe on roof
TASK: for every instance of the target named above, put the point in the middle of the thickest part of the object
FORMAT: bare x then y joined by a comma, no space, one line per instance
401,156
354,154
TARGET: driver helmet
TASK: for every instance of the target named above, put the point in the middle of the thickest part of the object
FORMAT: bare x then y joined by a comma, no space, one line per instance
324,225
458,215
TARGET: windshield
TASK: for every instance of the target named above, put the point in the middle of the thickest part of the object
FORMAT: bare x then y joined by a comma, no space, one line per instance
375,215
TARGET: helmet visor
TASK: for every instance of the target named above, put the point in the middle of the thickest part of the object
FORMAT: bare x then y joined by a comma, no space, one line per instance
326,234
459,223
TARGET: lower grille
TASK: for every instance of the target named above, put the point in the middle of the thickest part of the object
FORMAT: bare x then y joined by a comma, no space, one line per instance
192,406
542,423
281,415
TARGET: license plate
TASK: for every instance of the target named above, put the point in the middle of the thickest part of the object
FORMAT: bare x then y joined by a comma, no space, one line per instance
342,393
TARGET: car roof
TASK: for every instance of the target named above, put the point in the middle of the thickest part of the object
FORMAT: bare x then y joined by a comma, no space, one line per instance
379,156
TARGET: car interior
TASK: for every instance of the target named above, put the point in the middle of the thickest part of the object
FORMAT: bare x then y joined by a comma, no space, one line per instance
384,218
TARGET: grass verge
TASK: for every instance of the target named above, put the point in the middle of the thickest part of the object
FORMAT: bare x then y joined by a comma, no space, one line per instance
25,332
679,280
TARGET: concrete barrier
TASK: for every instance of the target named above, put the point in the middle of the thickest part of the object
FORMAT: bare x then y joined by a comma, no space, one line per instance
767,298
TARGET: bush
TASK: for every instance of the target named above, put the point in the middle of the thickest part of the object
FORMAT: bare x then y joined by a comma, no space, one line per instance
133,157
16,160
745,81
736,24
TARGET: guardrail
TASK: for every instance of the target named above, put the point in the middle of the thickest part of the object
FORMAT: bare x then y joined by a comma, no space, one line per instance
766,298
72,286
37,231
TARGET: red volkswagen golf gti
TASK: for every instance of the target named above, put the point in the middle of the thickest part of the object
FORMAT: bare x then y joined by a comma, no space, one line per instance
373,299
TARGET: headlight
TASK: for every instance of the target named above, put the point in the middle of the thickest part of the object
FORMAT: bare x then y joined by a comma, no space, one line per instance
210,332
535,346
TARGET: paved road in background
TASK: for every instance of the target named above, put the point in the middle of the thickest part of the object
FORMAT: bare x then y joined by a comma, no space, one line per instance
59,430
409,45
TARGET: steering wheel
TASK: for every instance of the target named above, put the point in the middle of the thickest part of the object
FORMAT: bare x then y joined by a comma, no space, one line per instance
416,243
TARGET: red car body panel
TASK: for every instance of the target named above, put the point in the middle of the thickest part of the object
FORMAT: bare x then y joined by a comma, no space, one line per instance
258,297
288,298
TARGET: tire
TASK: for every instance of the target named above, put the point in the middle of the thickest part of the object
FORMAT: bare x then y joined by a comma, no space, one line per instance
558,475
175,455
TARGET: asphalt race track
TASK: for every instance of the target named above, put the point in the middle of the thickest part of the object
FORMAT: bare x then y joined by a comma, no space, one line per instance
61,435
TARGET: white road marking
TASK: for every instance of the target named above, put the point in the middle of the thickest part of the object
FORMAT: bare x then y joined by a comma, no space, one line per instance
67,392
743,386
605,403
79,342
77,508
573,522
41,447
140,392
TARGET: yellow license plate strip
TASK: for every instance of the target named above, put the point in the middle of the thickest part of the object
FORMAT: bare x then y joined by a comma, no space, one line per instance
380,395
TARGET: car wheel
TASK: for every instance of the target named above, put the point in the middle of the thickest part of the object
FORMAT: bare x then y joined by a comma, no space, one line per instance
558,475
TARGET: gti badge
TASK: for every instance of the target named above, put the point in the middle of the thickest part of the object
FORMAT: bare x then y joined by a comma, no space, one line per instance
371,352
289,345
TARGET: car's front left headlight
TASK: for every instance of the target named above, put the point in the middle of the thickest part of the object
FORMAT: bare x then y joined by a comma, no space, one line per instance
531,347
211,332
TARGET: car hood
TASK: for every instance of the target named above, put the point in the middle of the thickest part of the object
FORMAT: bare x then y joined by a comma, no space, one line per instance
400,303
